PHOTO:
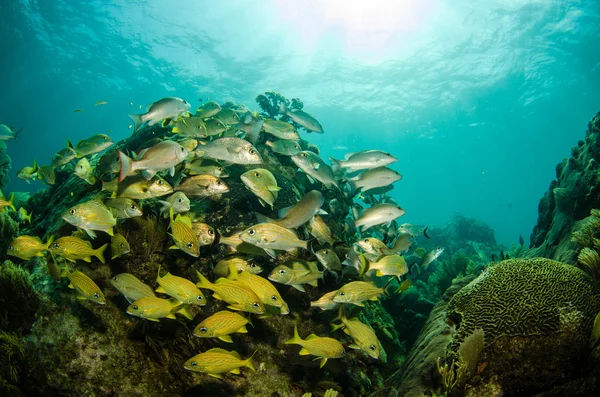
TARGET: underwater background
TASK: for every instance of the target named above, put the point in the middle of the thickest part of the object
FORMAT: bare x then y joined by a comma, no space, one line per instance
198,249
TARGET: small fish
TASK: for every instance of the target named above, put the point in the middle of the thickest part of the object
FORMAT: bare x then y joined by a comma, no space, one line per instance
24,216
125,207
356,261
27,247
190,127
232,150
222,267
85,171
207,109
138,187
109,163
178,201
252,126
356,292
373,247
430,257
131,287
100,103
373,179
227,116
263,184
281,130
166,108
312,165
237,245
93,144
78,110
64,156
237,296
119,246
190,145
402,244
153,308
298,214
202,186
28,173
301,117
319,230
328,259
221,324
165,155
205,234
265,291
7,133
286,148
85,286
47,175
321,347
367,159
90,216
326,302
203,167
364,337
214,127
389,265
378,214
73,248
217,361
270,237
296,272
181,289
184,236
521,240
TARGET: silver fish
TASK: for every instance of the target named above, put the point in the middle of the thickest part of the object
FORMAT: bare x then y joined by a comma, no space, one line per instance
301,117
93,144
7,133
315,167
202,186
366,159
374,178
379,214
297,215
165,108
163,156
272,237
178,200
286,148
232,150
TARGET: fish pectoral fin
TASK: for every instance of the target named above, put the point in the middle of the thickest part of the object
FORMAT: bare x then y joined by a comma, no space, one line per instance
354,346
271,253
310,178
173,247
235,371
153,319
148,174
323,361
87,259
274,188
226,338
304,352
359,304
91,233
233,307
299,287
172,171
81,297
71,286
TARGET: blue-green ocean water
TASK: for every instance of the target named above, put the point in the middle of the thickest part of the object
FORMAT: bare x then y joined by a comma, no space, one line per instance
479,100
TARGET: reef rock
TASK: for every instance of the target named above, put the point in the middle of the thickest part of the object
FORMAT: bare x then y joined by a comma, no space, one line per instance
569,199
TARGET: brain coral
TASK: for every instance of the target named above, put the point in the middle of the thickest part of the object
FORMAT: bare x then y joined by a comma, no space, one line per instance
524,297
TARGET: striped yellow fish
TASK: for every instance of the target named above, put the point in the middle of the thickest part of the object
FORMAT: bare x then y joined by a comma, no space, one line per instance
221,325
85,286
131,287
263,184
356,292
183,235
389,265
296,272
319,230
7,204
270,237
265,291
24,216
119,246
181,289
321,347
153,309
237,296
26,247
73,248
364,337
325,302
91,216
222,267
217,361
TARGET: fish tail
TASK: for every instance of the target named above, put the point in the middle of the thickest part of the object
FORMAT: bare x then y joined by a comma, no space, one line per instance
183,310
137,120
110,186
126,166
50,240
17,133
99,253
296,339
203,283
384,288
248,362
11,202
336,165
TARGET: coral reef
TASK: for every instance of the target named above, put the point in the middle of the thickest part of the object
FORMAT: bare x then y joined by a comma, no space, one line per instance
569,200
18,300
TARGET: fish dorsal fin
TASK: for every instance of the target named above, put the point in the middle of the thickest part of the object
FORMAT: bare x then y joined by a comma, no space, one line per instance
348,155
311,337
218,350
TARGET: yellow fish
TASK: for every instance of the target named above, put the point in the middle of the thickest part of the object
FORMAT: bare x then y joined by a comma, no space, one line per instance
389,265
270,237
119,246
296,272
323,348
73,248
85,171
222,267
181,289
24,216
265,291
90,216
325,302
217,361
153,309
191,127
4,204
364,337
138,187
221,325
237,296
183,235
131,287
99,103
87,288
356,292
263,184
26,247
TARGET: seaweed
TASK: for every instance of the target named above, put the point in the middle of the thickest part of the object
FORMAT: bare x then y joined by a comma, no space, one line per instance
18,300
12,352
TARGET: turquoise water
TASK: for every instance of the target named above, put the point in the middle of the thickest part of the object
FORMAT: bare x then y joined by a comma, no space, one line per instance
478,100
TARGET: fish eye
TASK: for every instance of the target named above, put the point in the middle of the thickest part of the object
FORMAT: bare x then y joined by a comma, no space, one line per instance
199,298
180,200
342,293
219,183
252,151
372,347
122,245
115,278
10,247
190,245
255,305
56,246
211,232
96,295
184,102
221,169
297,146
105,137
273,298
203,331
182,149
134,307
72,212
253,265
282,271
194,364
133,207
365,241
251,232
159,182
325,252
257,174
